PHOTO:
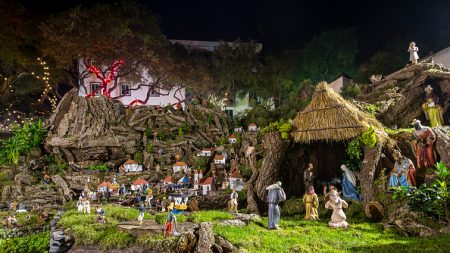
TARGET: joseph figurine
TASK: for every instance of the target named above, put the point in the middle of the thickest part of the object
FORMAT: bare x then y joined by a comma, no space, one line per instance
274,197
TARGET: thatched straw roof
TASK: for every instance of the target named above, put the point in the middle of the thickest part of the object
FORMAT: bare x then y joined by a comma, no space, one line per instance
329,117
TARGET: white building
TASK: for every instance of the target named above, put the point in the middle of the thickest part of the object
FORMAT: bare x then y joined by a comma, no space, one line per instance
232,139
219,159
338,84
206,185
181,166
240,105
236,181
132,166
252,127
442,57
206,152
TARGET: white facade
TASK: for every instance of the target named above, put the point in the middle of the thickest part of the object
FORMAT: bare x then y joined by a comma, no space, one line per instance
442,57
205,189
232,139
338,84
133,167
206,152
252,127
124,90
219,159
239,129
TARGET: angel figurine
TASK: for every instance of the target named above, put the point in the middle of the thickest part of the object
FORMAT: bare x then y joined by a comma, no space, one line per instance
412,49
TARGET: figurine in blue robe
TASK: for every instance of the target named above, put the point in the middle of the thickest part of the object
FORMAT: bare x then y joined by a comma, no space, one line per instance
349,190
274,197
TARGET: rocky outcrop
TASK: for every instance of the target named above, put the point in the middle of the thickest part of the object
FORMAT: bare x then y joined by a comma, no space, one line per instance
205,238
96,130
443,145
63,187
400,95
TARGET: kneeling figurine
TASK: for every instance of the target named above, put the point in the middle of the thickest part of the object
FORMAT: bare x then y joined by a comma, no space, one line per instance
338,217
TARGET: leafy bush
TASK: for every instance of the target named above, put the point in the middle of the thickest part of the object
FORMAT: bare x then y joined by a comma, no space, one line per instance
281,125
369,138
32,243
431,199
138,157
30,135
150,147
101,167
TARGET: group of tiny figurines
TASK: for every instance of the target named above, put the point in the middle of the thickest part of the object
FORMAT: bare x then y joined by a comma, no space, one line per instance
12,222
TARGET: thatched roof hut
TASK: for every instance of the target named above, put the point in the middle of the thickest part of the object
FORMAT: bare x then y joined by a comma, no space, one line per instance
329,118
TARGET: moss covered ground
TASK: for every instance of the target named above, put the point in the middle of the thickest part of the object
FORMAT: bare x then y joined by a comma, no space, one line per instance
296,235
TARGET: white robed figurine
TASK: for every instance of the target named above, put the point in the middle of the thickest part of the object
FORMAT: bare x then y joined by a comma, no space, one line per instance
338,217
412,49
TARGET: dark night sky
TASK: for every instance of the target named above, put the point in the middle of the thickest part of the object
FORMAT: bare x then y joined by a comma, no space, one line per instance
290,24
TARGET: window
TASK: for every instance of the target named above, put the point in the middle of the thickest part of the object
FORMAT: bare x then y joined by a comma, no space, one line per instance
95,87
125,89
154,92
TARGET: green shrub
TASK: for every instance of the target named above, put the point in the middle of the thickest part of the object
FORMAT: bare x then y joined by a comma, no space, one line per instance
369,138
293,206
281,125
150,147
138,157
33,243
30,135
56,164
101,167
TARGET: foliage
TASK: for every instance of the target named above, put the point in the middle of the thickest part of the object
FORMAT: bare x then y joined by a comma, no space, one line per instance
210,216
354,150
56,164
351,91
33,243
121,213
431,199
371,109
160,218
150,147
138,157
299,235
396,131
245,170
30,135
201,162
281,125
369,138
101,167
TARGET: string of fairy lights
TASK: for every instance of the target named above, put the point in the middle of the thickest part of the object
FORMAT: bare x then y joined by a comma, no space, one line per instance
13,118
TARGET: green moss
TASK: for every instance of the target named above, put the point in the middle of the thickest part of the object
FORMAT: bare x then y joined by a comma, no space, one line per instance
160,218
210,216
33,243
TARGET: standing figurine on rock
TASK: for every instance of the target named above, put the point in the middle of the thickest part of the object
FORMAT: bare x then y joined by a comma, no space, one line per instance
276,195
423,146
412,49
311,204
338,217
171,221
233,206
432,109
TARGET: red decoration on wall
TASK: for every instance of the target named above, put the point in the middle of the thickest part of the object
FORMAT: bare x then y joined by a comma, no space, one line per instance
105,79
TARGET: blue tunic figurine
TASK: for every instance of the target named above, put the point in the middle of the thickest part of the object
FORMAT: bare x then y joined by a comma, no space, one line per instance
275,196
349,184
403,173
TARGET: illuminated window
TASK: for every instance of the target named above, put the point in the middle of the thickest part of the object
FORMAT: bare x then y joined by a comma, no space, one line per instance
125,89
95,88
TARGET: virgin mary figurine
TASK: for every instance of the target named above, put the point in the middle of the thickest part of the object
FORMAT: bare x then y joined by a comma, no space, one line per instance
349,190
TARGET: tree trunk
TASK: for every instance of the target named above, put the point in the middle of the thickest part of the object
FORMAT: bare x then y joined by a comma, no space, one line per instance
368,168
275,150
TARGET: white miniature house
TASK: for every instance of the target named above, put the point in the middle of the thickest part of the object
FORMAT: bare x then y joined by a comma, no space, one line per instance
180,166
252,127
232,139
206,152
132,166
168,180
236,180
206,185
219,159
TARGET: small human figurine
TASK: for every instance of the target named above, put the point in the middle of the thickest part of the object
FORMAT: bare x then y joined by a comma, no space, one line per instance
12,220
86,206
28,218
432,109
338,217
101,214
311,204
141,214
171,221
80,205
46,178
326,194
404,173
148,199
349,190
308,176
124,190
274,197
13,206
423,146
233,201
412,49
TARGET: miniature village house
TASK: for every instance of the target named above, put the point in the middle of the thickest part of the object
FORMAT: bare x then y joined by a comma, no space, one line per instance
236,180
180,166
139,183
206,152
132,166
198,175
206,185
104,186
252,127
232,139
168,180
339,83
219,159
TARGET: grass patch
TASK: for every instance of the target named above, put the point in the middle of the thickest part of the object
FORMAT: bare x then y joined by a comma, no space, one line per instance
298,235
210,216
158,243
33,243
160,218
122,213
